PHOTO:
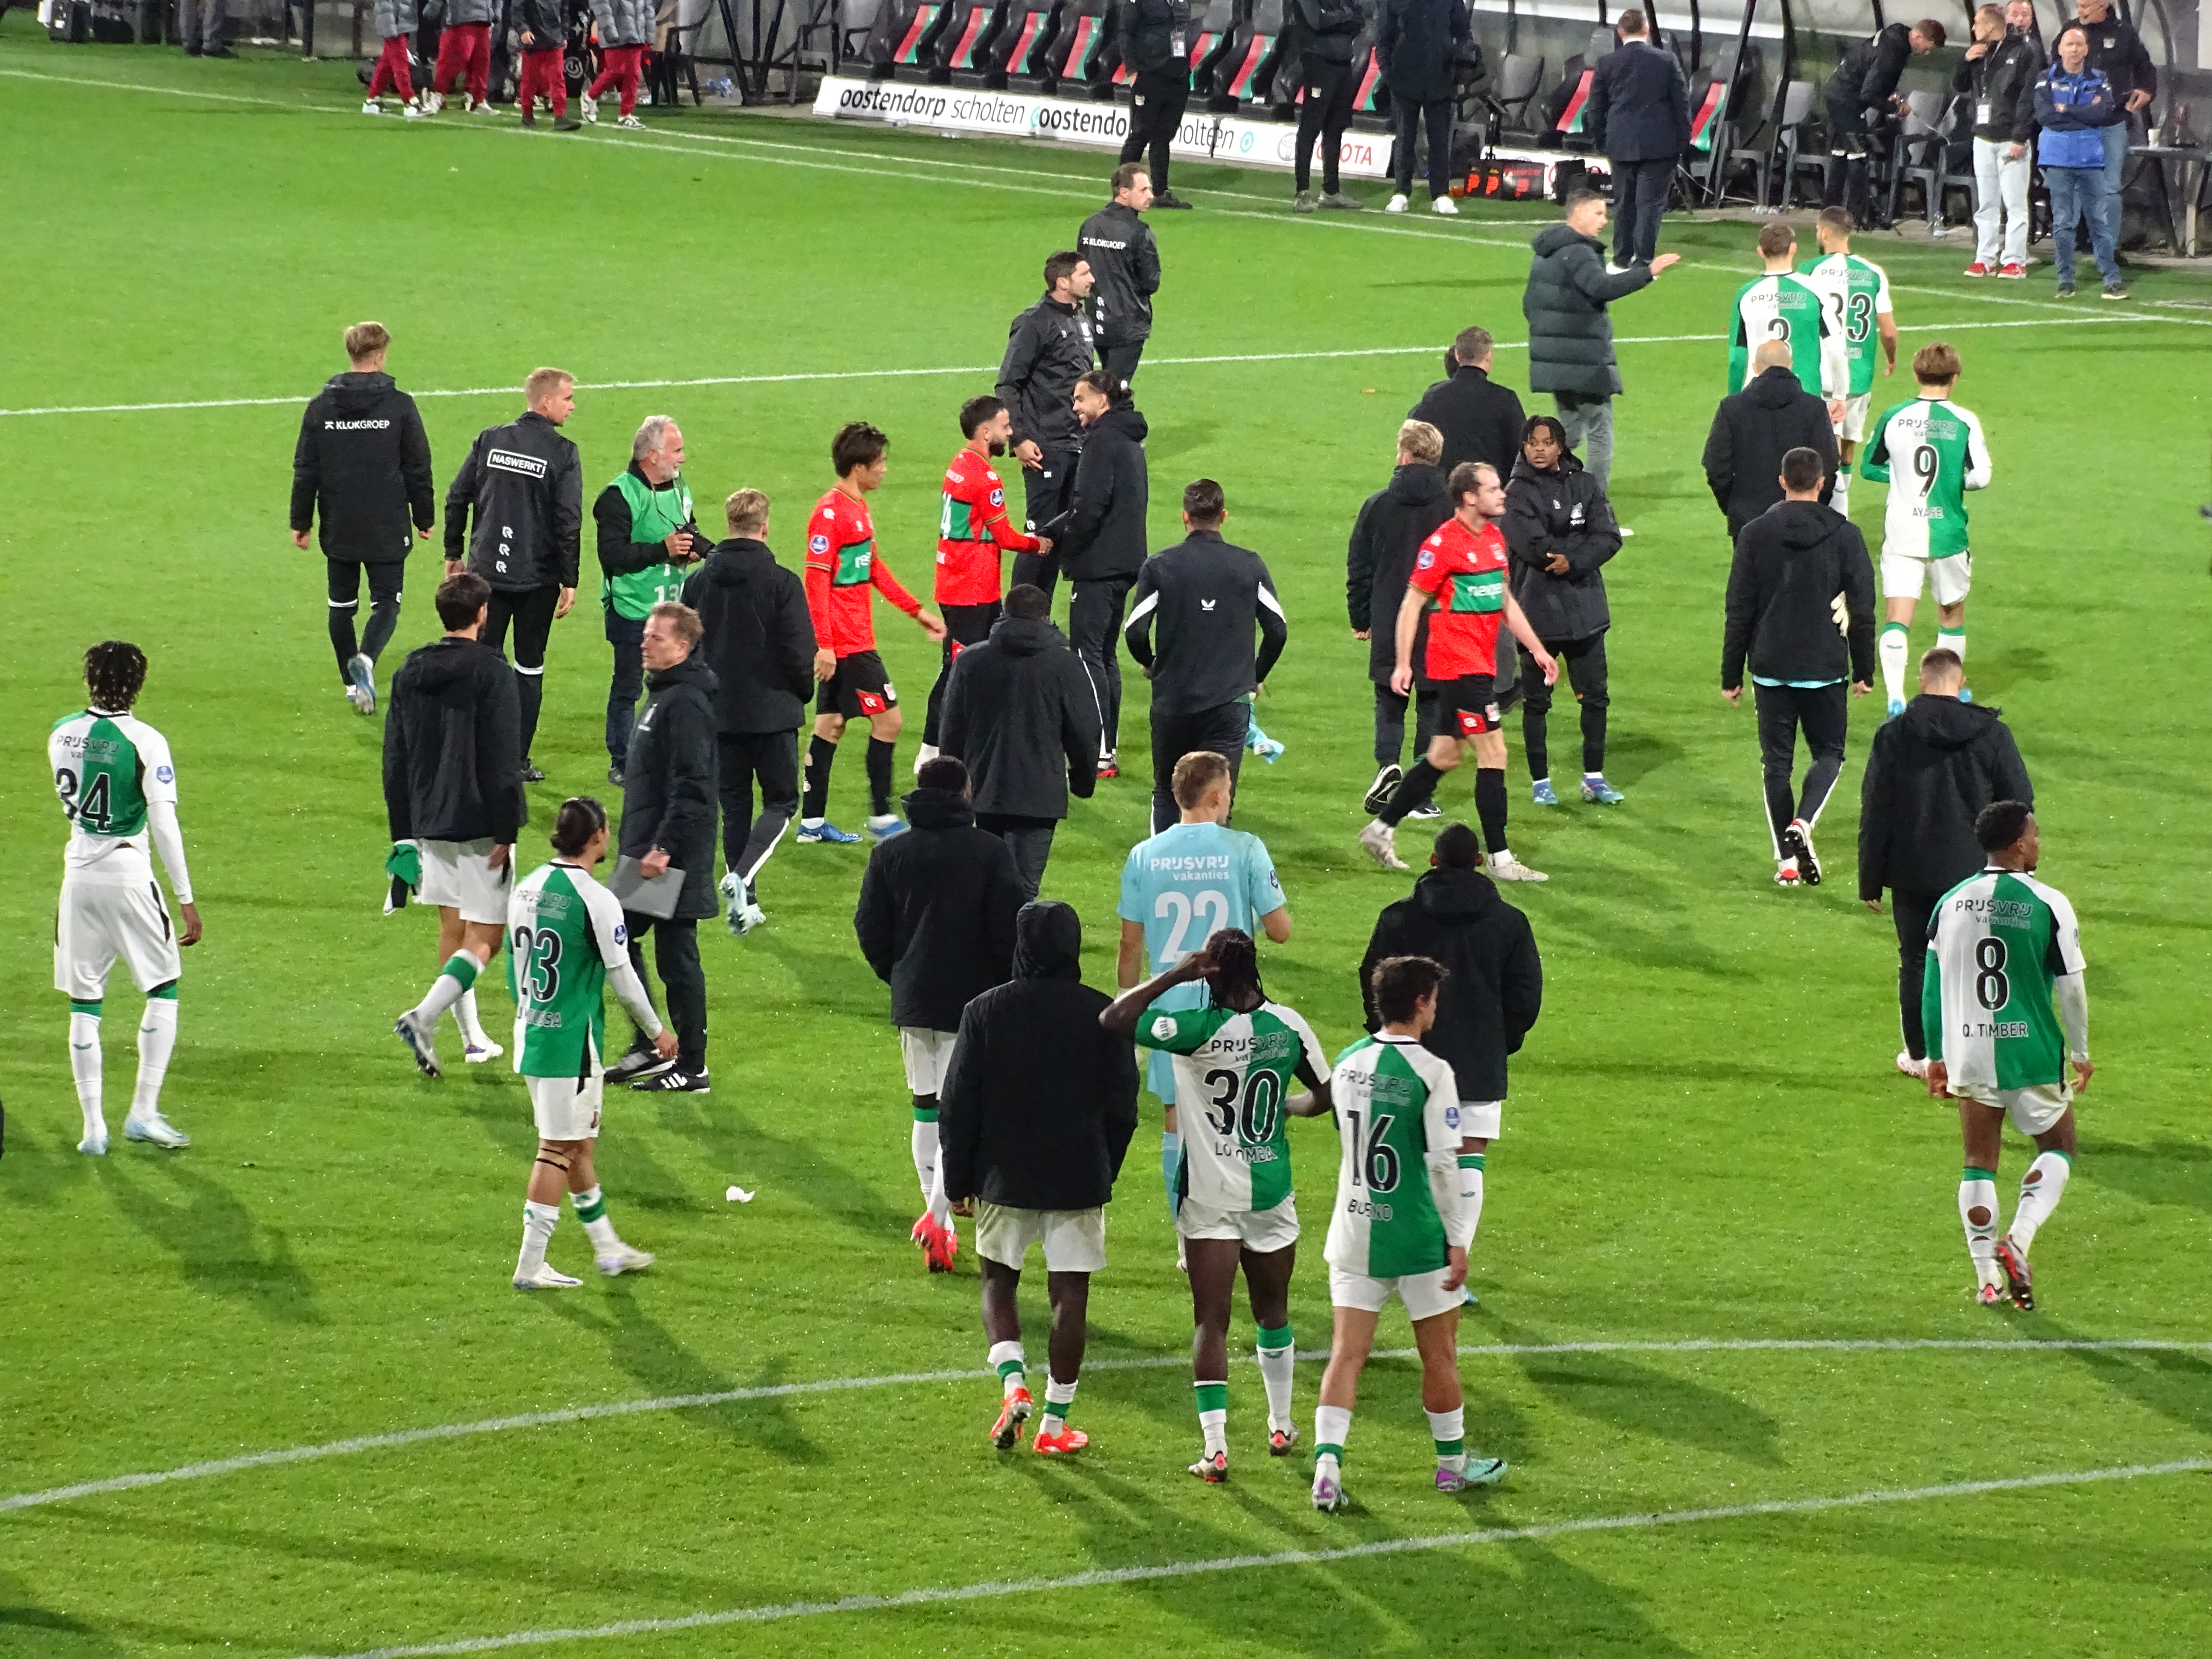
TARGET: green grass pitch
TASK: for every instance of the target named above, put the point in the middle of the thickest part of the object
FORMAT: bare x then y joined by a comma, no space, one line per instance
1706,1139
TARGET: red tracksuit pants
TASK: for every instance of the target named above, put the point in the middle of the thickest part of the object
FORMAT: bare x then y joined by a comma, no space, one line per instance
393,71
620,66
464,51
542,78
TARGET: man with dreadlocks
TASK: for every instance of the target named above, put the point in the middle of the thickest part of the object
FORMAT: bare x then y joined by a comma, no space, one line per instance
1234,1062
119,786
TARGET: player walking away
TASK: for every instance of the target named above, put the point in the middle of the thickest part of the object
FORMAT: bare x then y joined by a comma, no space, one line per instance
119,786
2003,948
1778,306
647,541
1181,887
1923,530
1035,1114
1855,292
568,942
1800,614
1386,538
453,796
1234,1060
841,569
1125,263
542,27
363,462
464,57
1459,585
526,484
624,26
1047,348
1402,1223
972,532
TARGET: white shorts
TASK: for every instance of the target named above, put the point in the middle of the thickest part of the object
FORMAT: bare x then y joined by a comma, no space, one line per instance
928,1055
566,1108
1478,1119
1948,579
1855,417
458,874
1424,1294
1074,1240
2033,1109
1263,1231
100,922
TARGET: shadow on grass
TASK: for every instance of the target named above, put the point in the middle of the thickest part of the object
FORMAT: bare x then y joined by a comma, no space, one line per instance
218,1244
2166,1172
1623,1394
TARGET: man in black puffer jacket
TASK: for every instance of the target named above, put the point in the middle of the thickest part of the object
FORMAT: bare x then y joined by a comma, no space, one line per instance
1393,523
936,922
1479,419
1102,547
1559,531
1326,30
1156,45
1755,428
1801,611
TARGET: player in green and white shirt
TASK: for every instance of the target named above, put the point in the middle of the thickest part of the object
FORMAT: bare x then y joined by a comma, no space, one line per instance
1940,447
1402,1223
566,944
119,786
1778,306
1855,291
2002,950
1235,1060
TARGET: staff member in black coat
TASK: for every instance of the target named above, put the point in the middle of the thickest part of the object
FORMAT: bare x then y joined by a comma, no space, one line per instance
1559,532
1393,523
1753,429
1930,772
526,485
1125,271
1639,115
1021,713
1326,31
759,640
1156,45
364,463
1493,988
1801,612
1417,43
936,922
1479,419
1204,596
1861,92
1102,548
1035,1114
1048,349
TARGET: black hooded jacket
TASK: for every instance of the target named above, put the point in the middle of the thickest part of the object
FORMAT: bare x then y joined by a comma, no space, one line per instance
526,484
1104,535
936,917
1479,419
759,637
453,746
1791,563
1020,711
1753,430
1125,269
1040,1102
1378,565
1570,335
1327,29
1496,987
362,464
1930,772
1559,510
669,791
1048,349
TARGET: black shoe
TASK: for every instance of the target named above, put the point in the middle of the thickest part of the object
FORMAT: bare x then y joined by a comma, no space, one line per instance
674,1083
191,48
614,776
530,774
218,52
568,124
1385,785
638,1064
1167,198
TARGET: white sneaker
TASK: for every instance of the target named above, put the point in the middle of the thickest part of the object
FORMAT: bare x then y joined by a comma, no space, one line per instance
155,1130
1443,204
372,106
546,1277
94,1145
623,1260
1395,205
418,1037
632,123
746,920
412,112
588,107
432,102
1624,530
482,107
1911,1067
1379,841
475,1054
1503,866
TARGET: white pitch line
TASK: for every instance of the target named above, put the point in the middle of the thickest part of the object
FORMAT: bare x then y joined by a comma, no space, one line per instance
996,1588
348,1447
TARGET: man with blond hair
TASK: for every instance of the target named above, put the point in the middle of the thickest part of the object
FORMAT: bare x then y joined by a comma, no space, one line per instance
647,540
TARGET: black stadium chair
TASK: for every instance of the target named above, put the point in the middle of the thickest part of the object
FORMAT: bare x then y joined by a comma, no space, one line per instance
1371,99
962,52
1249,66
905,32
1023,49
1210,46
1078,56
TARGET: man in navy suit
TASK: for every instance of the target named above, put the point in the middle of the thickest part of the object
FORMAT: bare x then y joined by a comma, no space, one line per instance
1639,116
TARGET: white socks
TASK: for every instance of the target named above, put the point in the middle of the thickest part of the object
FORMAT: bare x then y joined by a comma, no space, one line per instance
2040,1189
1952,639
1470,1190
1332,1427
1978,1214
538,1221
926,1169
454,980
1212,1399
1841,499
1449,1431
1894,645
592,1211
464,1016
1010,1363
1058,1397
157,1040
84,1066
1279,1362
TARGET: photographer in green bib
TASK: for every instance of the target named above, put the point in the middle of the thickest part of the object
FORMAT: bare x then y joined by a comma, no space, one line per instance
647,540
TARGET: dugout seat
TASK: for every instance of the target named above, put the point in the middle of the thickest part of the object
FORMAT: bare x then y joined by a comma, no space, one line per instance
1371,99
1249,66
1520,77
904,36
1078,59
962,52
1022,51
1217,34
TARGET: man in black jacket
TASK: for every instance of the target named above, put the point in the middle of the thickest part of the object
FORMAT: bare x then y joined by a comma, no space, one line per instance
645,539
1102,548
1204,596
1492,992
452,797
526,485
1418,44
1125,271
1327,31
668,823
1047,348
759,640
1861,92
1639,115
2116,52
1036,1114
1156,45
363,462
1021,713
1998,75
1930,772
1479,420
1753,429
1393,523
1801,611
936,922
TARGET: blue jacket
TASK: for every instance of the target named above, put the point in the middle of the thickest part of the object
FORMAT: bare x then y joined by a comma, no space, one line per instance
1639,104
2073,111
